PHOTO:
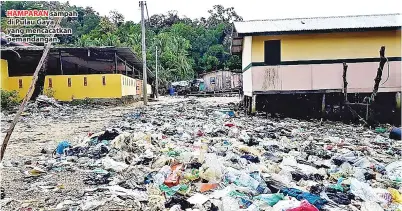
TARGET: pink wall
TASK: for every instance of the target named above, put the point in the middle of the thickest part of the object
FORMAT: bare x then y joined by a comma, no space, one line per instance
360,77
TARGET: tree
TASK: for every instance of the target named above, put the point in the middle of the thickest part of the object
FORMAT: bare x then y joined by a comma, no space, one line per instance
116,17
233,63
211,63
186,46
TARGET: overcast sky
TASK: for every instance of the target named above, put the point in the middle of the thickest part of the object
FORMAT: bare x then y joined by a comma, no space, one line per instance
248,9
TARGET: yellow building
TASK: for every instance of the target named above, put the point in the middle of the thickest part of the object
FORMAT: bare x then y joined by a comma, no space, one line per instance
306,55
74,73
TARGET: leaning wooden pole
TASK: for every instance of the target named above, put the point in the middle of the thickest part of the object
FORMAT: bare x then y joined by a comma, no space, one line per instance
27,96
377,79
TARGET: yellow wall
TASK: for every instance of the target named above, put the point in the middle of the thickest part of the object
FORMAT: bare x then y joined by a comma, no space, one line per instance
4,74
116,85
346,45
94,88
13,84
128,86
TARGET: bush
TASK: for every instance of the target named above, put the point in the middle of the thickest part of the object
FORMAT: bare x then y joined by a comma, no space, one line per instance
86,101
9,99
49,92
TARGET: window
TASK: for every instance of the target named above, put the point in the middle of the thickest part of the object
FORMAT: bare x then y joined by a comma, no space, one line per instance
50,83
20,83
69,82
103,80
85,81
272,52
212,80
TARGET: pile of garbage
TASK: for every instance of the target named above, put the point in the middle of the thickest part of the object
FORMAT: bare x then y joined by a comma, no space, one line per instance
193,156
44,106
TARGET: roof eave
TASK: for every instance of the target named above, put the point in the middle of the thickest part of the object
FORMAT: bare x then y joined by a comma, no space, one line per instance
240,34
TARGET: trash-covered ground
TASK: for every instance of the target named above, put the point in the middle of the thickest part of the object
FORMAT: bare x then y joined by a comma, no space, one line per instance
199,154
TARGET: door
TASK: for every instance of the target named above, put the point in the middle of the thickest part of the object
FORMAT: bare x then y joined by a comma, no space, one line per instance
272,52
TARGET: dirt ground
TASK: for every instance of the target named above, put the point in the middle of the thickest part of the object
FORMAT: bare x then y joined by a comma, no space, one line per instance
34,139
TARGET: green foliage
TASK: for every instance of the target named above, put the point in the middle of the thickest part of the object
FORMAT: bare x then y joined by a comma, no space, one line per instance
49,92
9,99
86,101
186,47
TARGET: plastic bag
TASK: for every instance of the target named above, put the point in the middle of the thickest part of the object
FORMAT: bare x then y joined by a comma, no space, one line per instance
371,206
62,146
304,206
362,163
286,204
394,170
207,186
160,177
396,196
384,194
346,169
364,191
289,161
212,170
251,150
262,187
92,203
108,163
247,181
230,204
359,174
270,199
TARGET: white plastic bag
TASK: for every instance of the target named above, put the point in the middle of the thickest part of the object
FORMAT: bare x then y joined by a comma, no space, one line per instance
230,204
364,191
394,170
371,206
212,170
108,163
289,161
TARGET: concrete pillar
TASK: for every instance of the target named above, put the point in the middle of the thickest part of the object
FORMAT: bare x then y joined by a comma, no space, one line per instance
253,104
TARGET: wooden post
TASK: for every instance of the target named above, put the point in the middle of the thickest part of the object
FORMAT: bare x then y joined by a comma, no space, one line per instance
377,79
125,67
61,63
345,83
115,63
27,96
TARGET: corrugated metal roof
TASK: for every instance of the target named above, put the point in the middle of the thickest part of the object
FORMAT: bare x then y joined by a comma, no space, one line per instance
319,23
124,52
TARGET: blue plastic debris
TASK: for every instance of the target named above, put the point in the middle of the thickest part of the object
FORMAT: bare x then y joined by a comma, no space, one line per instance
62,146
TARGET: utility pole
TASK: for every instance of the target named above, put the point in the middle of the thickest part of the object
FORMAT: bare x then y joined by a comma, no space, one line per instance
156,72
144,56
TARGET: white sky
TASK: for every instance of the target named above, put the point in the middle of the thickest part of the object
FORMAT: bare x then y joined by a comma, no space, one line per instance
248,9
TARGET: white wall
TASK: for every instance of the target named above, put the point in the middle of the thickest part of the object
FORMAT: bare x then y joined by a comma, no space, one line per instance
246,60
246,53
247,83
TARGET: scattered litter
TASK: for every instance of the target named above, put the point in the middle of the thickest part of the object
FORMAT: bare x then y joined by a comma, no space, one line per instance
189,155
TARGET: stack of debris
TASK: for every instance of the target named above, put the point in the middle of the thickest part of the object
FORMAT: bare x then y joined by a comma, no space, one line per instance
193,156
